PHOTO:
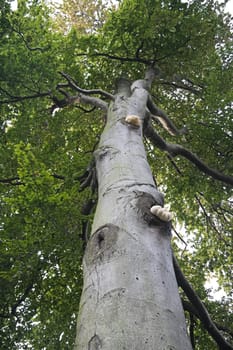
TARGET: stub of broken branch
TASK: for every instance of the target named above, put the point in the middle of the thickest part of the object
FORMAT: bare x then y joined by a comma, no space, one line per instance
133,119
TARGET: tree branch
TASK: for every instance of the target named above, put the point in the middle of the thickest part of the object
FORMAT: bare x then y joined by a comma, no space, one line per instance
175,150
174,165
179,236
175,49
26,43
74,85
191,330
118,58
14,99
86,210
202,312
162,117
87,110
94,101
181,86
80,98
12,180
191,309
22,298
89,178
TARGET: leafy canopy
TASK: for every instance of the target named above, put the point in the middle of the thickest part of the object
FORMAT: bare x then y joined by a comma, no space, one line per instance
46,150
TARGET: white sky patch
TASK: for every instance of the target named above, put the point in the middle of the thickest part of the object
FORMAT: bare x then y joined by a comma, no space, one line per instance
229,7
216,292
14,5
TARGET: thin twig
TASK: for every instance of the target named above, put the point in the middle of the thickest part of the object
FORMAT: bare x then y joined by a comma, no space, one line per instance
15,99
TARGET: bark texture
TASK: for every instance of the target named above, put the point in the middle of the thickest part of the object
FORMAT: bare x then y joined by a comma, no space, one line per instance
130,297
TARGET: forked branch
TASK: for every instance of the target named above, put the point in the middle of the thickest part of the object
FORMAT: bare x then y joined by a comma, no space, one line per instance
77,99
162,117
73,85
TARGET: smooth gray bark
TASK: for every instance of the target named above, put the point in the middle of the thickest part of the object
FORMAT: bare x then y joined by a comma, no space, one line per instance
130,297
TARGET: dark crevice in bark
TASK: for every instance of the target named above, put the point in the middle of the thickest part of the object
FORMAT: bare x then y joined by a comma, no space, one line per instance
100,239
95,343
104,151
86,210
125,185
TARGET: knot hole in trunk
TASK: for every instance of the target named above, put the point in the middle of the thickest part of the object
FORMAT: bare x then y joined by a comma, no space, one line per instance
102,244
100,239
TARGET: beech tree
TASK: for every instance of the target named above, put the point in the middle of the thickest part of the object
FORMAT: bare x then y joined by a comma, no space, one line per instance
89,114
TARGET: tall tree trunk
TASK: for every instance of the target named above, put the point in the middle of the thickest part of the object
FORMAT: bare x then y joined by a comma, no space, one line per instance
130,296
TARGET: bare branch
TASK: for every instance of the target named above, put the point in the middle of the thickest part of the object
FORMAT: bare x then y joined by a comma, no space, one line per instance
59,177
191,89
179,236
191,309
179,150
191,330
16,180
86,210
94,101
26,43
202,312
80,98
86,183
210,222
73,85
5,315
22,298
118,58
162,117
174,165
89,178
87,110
12,181
175,150
175,49
15,99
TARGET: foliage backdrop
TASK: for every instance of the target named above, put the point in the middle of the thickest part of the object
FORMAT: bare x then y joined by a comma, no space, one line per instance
46,150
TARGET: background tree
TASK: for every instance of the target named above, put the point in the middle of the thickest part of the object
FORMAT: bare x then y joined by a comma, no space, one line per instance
84,16
46,156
